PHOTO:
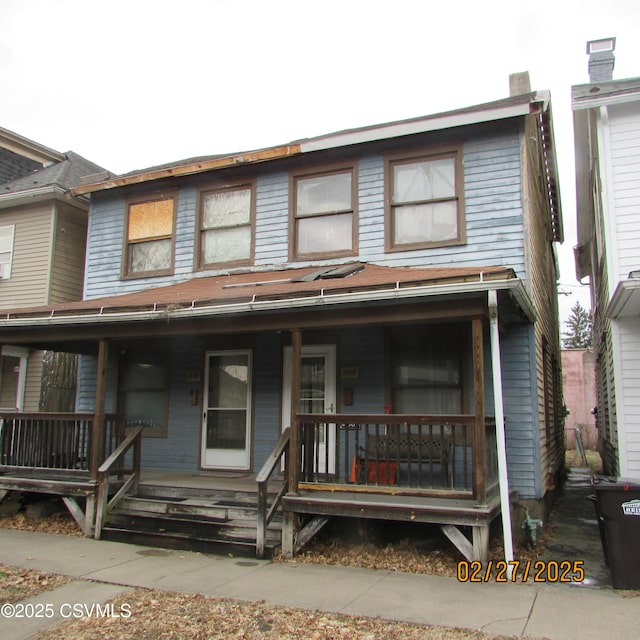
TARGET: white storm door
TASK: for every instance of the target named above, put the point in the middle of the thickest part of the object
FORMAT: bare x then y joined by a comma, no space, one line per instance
226,427
317,395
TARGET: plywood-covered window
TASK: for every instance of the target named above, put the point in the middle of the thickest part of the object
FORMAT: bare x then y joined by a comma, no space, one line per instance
424,202
226,234
324,217
150,235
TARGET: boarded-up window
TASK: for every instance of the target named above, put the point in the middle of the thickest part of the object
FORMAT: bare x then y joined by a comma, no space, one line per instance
150,236
225,229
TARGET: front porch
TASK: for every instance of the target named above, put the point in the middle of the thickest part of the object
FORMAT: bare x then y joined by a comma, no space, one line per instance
379,391
387,467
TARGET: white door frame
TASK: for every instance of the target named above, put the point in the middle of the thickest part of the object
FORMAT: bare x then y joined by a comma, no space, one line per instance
232,459
328,351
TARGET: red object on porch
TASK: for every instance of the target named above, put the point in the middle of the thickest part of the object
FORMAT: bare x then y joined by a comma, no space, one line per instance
382,472
378,471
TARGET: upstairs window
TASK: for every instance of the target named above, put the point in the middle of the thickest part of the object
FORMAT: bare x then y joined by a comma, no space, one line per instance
150,236
324,216
225,226
424,201
6,251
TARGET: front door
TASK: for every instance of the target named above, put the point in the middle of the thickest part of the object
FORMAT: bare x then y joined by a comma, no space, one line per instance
226,428
317,395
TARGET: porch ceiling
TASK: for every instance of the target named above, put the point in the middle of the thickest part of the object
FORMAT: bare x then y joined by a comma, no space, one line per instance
268,300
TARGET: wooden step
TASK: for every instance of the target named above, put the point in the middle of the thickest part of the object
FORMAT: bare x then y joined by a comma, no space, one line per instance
198,522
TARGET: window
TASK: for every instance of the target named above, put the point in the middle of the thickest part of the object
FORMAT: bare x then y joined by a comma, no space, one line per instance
225,226
150,231
324,220
427,373
424,201
6,251
142,392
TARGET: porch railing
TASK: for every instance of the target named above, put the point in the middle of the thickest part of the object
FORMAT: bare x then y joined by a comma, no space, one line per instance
400,453
54,441
266,512
114,465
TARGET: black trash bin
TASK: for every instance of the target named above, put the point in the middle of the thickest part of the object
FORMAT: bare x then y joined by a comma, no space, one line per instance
618,512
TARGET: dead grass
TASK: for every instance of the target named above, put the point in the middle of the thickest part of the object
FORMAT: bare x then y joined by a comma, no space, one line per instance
573,460
156,614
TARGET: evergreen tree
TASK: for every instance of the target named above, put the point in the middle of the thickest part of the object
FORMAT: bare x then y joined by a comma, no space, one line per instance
579,329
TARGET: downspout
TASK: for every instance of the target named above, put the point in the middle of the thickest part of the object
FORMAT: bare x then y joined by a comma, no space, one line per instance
500,432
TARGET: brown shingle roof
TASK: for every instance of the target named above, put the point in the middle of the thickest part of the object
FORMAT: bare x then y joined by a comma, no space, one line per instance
269,285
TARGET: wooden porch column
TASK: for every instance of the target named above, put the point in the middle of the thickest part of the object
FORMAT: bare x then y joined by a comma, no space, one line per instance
289,518
98,431
479,440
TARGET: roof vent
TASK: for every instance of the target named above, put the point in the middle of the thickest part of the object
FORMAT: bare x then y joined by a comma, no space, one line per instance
601,59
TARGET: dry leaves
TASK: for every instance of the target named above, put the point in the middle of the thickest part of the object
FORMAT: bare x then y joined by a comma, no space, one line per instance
179,616
19,584
61,523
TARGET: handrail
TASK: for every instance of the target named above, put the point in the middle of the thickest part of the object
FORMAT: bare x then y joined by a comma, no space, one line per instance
134,439
266,515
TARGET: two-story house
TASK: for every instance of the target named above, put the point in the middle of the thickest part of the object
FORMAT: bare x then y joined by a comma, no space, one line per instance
42,249
606,120
356,315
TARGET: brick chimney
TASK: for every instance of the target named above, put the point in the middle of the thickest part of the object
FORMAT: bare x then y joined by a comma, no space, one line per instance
601,59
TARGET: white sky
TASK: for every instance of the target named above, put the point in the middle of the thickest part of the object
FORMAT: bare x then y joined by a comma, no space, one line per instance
134,83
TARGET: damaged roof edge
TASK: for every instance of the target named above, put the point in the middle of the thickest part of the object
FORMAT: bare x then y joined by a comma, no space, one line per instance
514,285
507,108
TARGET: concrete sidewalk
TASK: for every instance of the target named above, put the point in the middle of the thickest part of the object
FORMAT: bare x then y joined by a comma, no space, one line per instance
541,610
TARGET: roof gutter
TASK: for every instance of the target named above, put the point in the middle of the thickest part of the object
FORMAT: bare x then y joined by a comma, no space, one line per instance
514,286
38,194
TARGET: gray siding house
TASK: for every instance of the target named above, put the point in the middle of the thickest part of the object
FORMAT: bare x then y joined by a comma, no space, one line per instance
42,243
353,317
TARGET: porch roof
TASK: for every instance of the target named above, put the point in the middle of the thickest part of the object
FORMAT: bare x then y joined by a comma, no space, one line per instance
273,290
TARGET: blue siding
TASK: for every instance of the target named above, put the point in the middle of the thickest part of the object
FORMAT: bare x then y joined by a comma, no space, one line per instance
521,410
493,211
495,236
267,398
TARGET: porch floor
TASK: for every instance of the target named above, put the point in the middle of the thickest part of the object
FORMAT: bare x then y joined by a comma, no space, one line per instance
202,480
411,508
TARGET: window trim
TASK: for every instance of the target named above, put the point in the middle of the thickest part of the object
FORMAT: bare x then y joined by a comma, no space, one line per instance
198,264
9,264
422,153
125,274
132,357
322,170
457,333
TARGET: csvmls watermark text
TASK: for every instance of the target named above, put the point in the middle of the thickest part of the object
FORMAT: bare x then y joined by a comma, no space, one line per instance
65,610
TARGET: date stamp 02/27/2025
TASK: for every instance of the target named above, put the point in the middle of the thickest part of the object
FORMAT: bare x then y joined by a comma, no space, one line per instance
521,571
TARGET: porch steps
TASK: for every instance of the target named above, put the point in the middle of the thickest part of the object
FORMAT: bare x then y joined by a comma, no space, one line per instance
191,518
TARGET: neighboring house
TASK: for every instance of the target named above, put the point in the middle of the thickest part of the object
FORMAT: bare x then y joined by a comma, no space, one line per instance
606,116
339,301
42,249
579,388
